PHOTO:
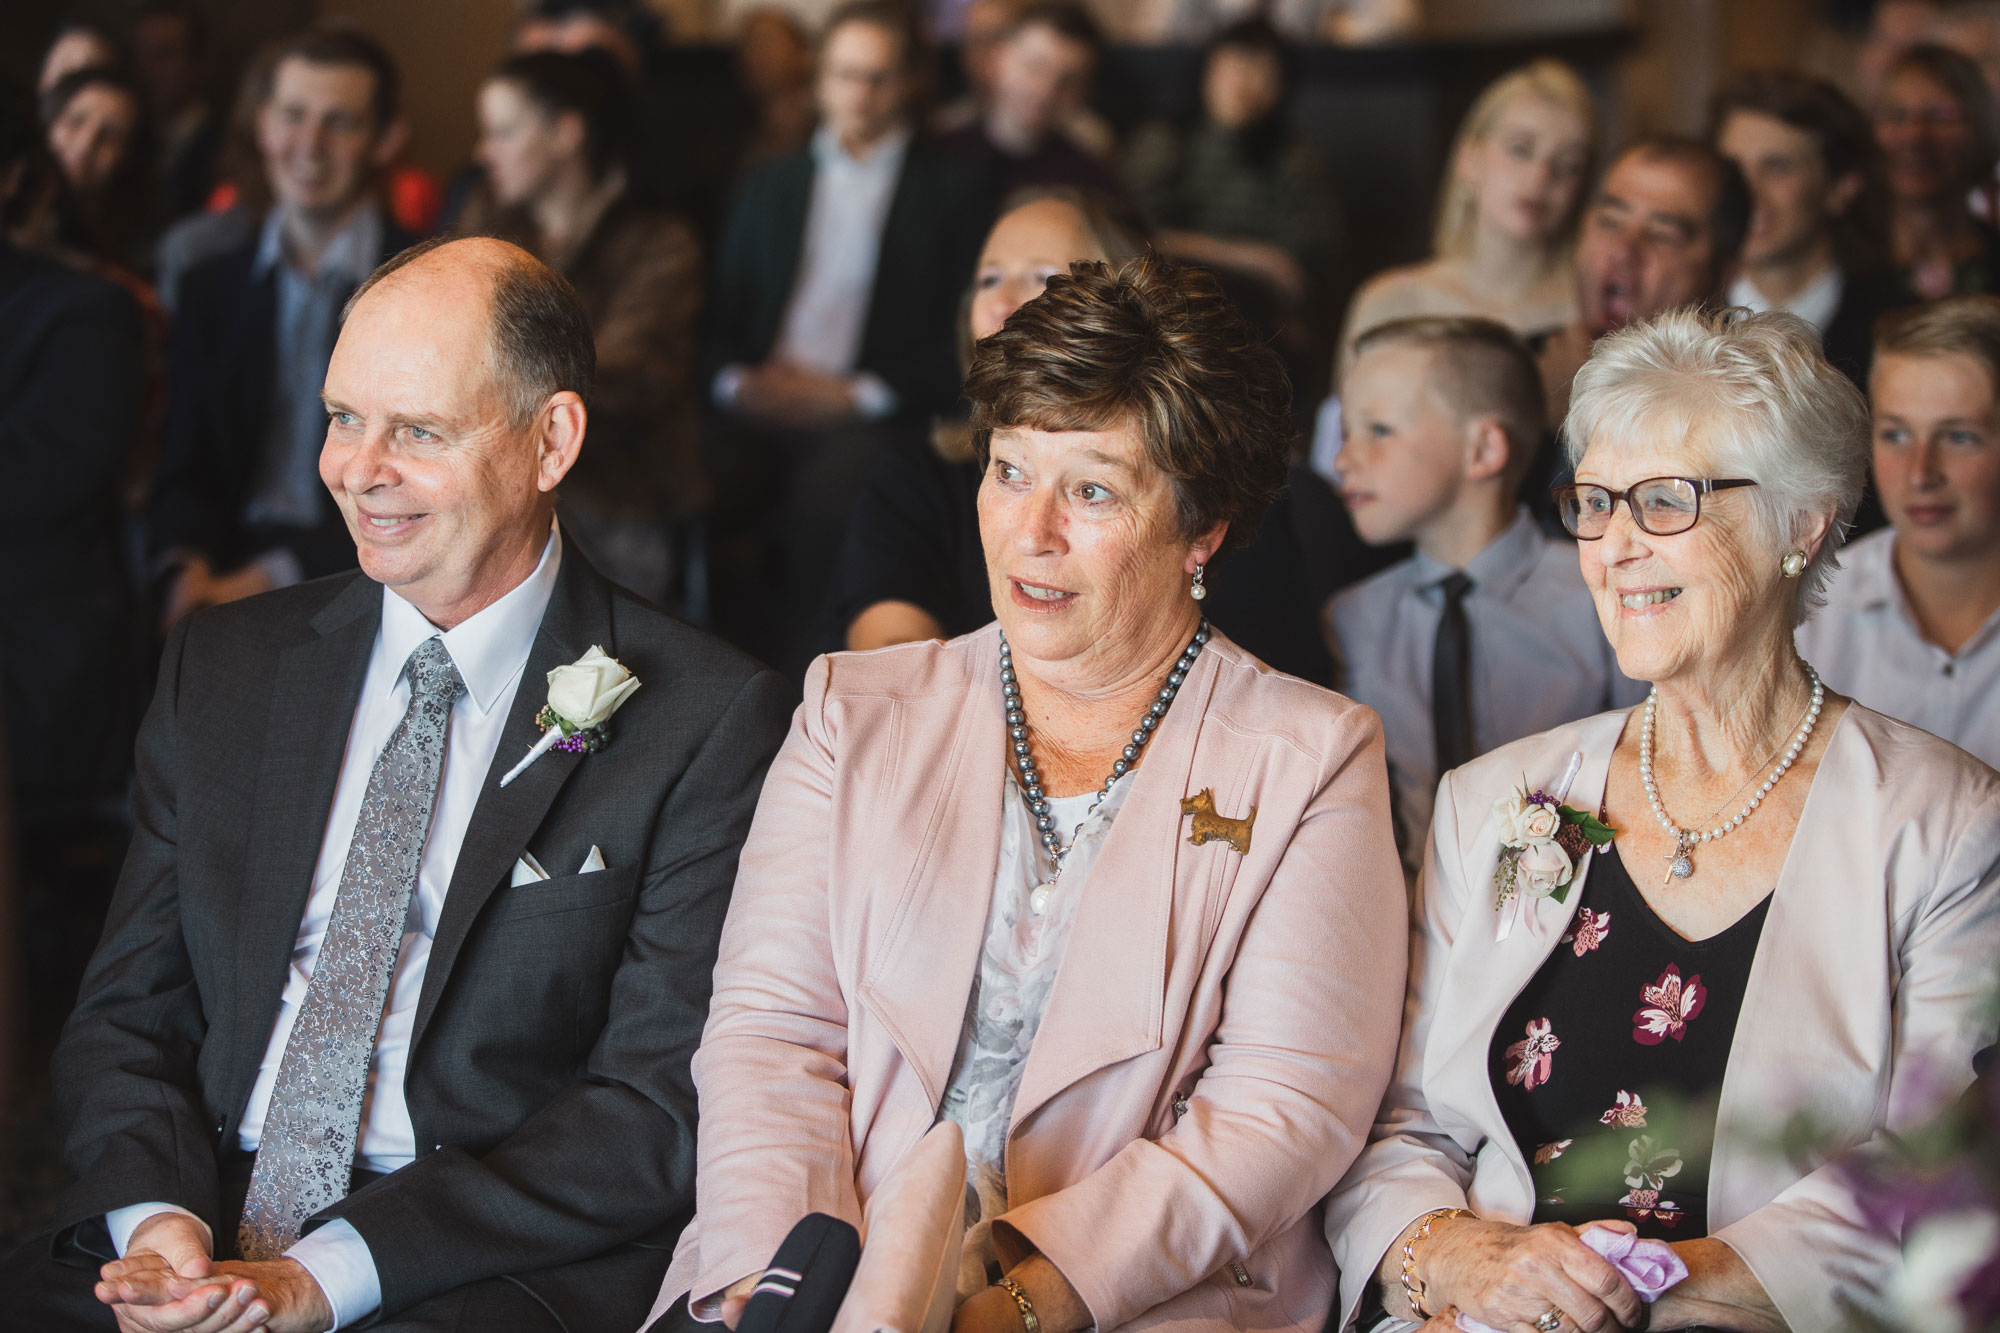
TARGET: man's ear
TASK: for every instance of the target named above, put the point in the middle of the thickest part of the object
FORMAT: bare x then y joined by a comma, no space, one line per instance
559,429
389,145
1487,450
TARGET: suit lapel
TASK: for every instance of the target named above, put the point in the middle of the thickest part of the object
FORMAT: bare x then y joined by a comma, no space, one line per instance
578,615
924,970
1109,996
304,741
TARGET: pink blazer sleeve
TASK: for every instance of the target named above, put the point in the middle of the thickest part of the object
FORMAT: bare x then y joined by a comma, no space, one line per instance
1307,1038
775,1143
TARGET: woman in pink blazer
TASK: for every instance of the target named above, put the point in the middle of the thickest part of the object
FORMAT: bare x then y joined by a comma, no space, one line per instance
1091,882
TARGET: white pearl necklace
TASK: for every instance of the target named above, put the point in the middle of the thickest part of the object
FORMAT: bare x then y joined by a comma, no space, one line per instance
1681,859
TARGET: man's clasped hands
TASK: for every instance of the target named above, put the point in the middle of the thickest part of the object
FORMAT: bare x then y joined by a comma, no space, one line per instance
168,1282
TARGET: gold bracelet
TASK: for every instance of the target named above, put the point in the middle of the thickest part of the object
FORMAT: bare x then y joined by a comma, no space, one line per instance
1413,1290
1029,1323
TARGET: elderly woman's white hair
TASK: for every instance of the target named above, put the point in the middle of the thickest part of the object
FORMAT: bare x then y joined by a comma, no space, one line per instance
1765,400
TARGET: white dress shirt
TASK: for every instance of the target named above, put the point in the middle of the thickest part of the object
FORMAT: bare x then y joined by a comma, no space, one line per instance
490,650
1539,657
1865,643
1816,303
827,313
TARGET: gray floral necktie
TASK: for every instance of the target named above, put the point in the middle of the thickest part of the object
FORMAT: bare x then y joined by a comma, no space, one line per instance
307,1151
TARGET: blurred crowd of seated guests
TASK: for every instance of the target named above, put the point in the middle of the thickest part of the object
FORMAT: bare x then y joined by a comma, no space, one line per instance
786,278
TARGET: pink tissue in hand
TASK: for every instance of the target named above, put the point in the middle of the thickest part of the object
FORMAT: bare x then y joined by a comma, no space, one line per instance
1650,1266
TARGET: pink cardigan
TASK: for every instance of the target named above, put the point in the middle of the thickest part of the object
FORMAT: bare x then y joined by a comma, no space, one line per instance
1262,993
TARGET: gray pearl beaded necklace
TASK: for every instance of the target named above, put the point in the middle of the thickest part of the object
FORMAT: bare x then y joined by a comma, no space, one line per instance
1024,756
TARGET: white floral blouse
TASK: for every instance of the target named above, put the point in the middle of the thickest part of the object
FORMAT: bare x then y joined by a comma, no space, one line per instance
1017,970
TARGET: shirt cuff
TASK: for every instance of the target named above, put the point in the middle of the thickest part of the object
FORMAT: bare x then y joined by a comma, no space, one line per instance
122,1222
338,1259
281,567
873,399
728,383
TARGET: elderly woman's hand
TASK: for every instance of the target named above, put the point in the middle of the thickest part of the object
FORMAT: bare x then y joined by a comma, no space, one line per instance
1511,1276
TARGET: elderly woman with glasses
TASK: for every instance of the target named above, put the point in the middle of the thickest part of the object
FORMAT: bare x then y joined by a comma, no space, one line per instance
1647,943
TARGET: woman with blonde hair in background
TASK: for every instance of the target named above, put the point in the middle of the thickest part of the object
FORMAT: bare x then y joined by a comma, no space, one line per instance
1507,213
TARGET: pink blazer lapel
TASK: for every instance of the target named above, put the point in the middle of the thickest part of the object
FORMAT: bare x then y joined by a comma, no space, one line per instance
1110,992
924,967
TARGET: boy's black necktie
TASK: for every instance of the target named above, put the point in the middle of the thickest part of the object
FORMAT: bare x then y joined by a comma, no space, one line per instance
1451,677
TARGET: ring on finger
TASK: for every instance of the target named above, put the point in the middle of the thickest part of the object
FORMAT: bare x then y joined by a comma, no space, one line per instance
1551,1319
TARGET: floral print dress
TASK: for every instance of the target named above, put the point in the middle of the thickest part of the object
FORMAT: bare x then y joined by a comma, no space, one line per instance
1608,1065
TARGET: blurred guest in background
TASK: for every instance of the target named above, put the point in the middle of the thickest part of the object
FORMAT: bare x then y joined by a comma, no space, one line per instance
106,204
1911,625
1818,243
71,349
236,206
555,138
1042,73
238,507
1507,214
774,60
1939,130
1486,634
1237,190
75,46
984,27
170,56
1663,229
835,297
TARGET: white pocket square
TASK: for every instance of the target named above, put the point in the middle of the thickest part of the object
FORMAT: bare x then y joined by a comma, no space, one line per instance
528,870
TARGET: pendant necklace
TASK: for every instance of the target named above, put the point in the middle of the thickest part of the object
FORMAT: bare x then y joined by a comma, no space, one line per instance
1030,776
1681,859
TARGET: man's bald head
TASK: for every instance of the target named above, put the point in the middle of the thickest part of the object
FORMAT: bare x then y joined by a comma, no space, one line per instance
539,335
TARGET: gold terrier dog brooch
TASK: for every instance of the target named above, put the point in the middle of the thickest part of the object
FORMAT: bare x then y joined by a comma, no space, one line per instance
1209,825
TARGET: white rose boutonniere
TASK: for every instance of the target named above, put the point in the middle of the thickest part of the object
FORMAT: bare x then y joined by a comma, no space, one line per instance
1542,841
582,698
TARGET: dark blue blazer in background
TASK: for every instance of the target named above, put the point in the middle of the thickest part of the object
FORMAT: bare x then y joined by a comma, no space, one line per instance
220,367
930,241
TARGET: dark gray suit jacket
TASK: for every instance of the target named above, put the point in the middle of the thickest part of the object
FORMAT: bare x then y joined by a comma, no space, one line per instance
548,1069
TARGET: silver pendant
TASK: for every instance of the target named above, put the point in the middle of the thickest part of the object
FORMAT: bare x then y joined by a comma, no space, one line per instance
1038,900
1683,867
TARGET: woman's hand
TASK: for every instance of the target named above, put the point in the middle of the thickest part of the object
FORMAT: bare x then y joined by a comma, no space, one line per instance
1510,1276
736,1296
1719,1291
1058,1308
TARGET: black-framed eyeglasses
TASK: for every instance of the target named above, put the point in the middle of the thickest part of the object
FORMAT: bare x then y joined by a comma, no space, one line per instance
1661,506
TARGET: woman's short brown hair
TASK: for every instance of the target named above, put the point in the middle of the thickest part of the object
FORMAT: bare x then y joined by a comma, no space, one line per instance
1157,344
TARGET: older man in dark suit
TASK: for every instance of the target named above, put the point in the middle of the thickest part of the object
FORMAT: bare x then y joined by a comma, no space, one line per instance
385,1022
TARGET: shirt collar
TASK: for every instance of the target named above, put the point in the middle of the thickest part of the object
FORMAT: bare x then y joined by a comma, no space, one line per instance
352,254
1816,303
490,647
1501,565
1871,566
886,155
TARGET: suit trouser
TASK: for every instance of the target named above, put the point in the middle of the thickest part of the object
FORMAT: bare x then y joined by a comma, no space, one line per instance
39,1294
